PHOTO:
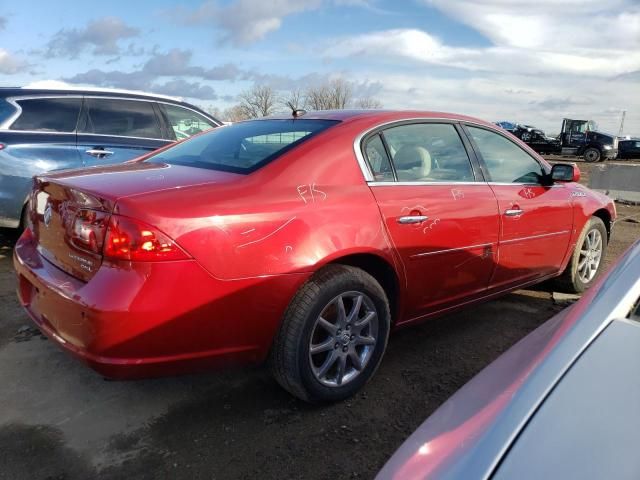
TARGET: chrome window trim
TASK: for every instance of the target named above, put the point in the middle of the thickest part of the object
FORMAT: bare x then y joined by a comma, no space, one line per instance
357,143
409,184
479,182
13,101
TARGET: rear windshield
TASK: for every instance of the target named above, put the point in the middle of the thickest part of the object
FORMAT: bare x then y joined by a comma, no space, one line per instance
242,147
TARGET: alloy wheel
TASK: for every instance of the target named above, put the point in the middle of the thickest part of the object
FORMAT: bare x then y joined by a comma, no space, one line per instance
590,256
343,338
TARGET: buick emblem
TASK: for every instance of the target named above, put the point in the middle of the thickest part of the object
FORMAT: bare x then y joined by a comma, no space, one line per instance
47,215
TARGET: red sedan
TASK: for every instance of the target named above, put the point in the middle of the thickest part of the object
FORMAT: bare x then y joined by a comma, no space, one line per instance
300,240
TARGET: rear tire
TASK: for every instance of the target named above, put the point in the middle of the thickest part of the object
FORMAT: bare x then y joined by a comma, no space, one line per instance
333,335
592,154
587,259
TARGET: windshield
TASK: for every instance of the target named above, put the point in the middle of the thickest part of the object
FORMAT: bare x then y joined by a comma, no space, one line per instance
242,147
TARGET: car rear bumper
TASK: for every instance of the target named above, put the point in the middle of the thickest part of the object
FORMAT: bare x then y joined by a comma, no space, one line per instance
154,318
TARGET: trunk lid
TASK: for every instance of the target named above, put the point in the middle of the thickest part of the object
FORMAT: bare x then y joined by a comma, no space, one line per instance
70,210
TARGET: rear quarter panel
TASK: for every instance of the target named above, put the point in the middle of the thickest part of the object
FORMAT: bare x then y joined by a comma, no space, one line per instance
303,210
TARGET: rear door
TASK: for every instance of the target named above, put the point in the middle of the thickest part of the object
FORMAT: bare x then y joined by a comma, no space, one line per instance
536,220
114,130
441,216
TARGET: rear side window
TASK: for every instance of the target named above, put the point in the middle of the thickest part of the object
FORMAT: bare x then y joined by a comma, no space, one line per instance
6,110
124,118
48,114
378,160
184,122
428,152
242,147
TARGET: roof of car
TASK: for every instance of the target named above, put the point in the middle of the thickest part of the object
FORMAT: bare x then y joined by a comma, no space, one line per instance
22,91
98,92
344,115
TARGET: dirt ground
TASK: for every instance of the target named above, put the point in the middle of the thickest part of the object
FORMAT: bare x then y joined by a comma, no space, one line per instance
59,420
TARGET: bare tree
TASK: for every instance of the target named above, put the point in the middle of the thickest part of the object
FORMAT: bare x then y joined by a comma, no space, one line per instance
234,114
340,93
334,95
258,101
293,100
368,103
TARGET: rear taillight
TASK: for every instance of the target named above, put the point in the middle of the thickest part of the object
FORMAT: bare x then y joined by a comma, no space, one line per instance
129,239
88,230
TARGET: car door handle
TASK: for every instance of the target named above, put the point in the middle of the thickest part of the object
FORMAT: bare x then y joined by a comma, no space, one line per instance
514,212
96,152
412,219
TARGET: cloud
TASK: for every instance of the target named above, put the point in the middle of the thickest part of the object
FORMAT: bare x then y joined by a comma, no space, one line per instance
175,63
101,36
245,21
9,64
416,45
552,25
3,23
182,88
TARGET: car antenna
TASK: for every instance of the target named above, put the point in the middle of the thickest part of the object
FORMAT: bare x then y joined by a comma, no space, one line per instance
296,112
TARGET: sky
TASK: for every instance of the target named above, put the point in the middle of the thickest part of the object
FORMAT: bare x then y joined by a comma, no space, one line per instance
534,62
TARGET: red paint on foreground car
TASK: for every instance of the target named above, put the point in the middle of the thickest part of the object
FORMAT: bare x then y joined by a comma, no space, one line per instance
302,240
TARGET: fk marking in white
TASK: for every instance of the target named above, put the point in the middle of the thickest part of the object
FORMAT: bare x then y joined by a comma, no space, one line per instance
269,235
310,190
457,194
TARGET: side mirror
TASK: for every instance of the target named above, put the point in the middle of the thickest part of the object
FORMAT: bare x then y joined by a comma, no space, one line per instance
565,172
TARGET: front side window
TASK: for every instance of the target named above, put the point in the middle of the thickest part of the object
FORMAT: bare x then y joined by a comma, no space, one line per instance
184,122
506,162
48,114
125,118
428,152
242,147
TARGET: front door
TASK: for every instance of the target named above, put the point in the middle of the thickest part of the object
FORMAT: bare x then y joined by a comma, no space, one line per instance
536,220
440,217
117,130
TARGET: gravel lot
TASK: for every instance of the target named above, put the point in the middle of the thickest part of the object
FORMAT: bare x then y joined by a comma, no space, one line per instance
59,420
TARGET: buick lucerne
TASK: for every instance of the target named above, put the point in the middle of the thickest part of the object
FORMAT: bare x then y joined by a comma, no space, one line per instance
301,241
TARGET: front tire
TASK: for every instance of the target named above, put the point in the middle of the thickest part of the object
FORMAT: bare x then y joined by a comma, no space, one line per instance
333,335
592,155
587,259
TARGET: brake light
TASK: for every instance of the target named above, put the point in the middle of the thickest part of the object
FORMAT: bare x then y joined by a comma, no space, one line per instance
129,239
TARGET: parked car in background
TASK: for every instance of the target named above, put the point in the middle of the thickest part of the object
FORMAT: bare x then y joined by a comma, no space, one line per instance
629,148
561,403
43,130
537,139
304,240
